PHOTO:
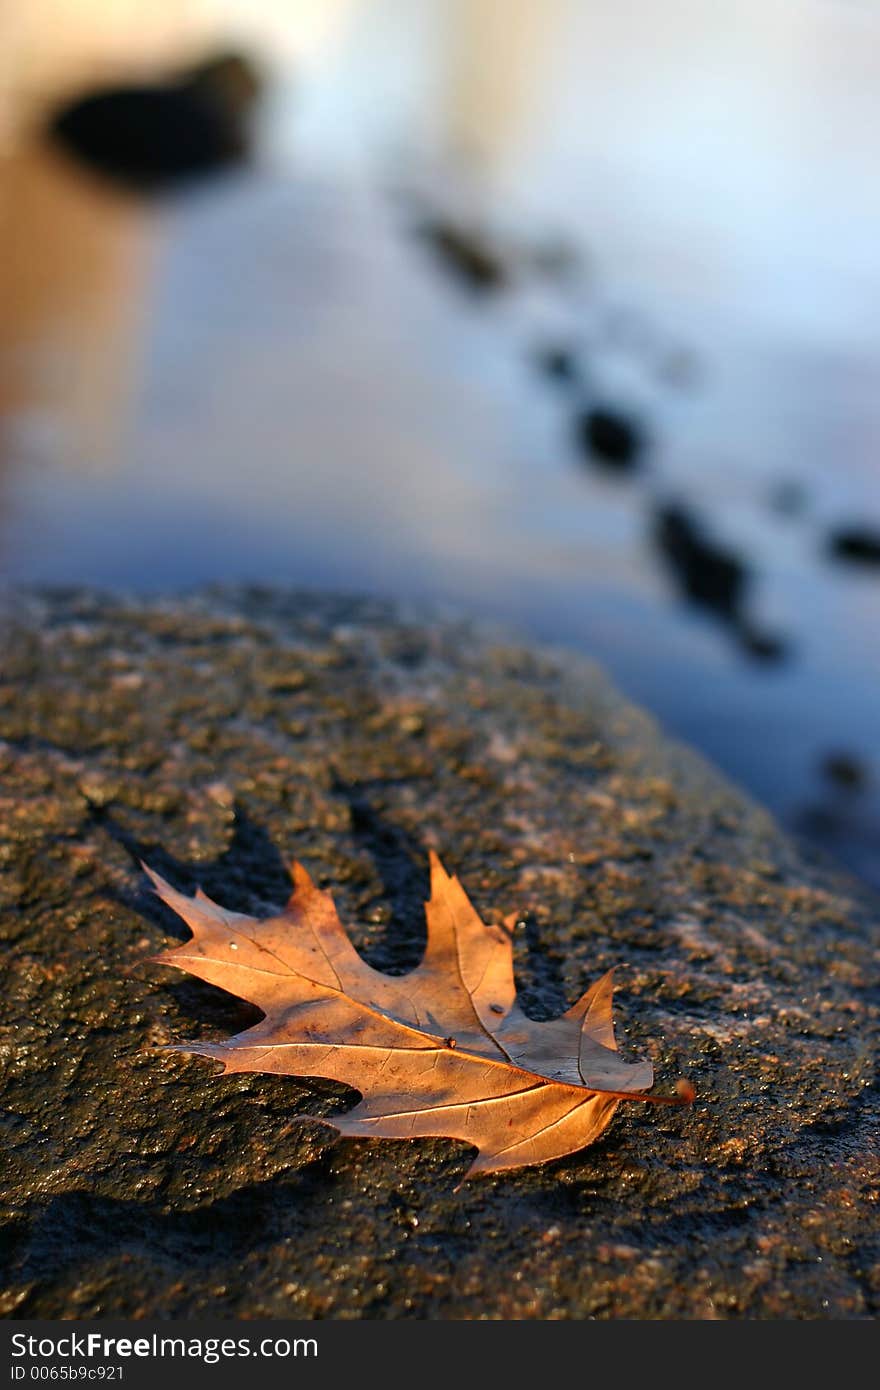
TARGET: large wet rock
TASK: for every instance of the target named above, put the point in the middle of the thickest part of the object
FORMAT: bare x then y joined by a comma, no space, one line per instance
220,736
154,137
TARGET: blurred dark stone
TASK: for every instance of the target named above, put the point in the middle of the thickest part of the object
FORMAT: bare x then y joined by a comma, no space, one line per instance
231,77
856,543
154,136
761,646
706,574
610,438
845,770
558,364
713,578
466,254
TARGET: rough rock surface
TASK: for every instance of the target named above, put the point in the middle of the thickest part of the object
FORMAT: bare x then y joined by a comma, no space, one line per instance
219,736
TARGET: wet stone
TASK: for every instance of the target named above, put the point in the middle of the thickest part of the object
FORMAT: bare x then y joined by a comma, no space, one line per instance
267,725
153,137
610,439
558,364
706,573
466,254
845,770
856,545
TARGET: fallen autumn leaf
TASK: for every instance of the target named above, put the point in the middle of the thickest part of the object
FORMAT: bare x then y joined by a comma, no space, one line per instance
444,1050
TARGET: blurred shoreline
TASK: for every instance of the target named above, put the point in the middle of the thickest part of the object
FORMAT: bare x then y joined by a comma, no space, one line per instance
286,376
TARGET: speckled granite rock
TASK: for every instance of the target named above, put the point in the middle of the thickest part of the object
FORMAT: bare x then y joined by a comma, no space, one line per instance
219,736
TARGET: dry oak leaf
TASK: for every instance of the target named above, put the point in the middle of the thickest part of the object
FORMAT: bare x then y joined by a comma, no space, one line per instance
444,1050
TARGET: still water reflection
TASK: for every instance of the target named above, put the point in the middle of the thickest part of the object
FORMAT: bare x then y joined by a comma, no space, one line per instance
269,379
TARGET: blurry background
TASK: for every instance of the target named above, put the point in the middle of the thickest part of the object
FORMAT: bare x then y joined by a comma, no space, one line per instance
563,310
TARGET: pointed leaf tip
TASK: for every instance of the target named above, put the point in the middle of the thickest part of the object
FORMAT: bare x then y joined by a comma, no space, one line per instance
300,875
440,879
161,886
150,873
